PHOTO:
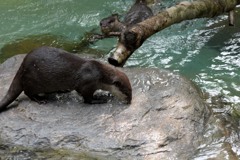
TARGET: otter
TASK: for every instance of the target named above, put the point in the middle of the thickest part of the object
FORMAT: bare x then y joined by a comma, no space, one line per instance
48,70
111,26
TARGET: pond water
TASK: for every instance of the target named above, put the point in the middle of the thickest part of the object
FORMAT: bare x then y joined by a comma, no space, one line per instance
204,50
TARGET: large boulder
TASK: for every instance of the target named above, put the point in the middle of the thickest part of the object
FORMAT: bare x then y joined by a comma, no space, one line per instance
164,121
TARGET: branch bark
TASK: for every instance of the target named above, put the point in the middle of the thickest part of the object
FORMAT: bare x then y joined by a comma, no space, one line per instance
133,37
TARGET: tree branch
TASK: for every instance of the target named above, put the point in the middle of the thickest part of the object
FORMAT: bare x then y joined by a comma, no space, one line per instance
132,38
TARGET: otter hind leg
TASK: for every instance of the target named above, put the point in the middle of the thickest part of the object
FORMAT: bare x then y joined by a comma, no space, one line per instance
37,98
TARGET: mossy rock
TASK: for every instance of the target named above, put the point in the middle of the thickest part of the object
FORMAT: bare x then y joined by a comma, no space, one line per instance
236,112
25,45
21,152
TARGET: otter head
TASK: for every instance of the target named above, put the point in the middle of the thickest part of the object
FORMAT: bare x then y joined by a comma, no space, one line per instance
110,24
120,86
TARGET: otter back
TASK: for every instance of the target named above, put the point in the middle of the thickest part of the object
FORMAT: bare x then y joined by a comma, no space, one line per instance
137,13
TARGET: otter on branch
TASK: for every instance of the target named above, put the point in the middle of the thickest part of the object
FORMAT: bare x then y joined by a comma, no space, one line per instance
111,26
48,70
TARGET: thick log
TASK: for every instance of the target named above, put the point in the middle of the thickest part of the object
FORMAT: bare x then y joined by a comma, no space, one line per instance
133,37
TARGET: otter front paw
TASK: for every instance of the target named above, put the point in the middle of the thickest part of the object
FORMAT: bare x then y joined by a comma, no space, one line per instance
99,98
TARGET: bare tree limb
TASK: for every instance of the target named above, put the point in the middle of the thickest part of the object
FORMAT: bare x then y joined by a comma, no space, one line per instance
133,37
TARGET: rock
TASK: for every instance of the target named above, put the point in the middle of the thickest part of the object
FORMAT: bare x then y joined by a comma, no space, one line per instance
165,120
25,45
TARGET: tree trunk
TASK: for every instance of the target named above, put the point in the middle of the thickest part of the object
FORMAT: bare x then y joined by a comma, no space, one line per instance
132,38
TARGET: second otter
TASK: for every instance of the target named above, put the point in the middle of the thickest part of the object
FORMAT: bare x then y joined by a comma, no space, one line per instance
111,26
48,70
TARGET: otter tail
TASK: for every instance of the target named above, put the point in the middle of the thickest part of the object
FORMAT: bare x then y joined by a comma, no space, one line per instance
13,92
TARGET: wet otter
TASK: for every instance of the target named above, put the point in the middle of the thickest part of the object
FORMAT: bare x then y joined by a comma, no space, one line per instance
49,70
111,26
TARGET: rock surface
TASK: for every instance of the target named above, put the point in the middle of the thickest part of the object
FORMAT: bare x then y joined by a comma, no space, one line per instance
165,120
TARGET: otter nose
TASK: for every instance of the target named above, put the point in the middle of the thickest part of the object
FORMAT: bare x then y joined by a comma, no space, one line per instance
129,98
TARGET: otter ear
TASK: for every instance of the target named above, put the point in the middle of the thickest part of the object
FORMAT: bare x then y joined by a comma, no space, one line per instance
116,16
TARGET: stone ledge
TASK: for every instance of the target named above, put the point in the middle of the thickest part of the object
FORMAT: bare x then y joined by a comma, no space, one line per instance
165,120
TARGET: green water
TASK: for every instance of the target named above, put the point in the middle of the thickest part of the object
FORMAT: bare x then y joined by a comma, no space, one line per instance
204,50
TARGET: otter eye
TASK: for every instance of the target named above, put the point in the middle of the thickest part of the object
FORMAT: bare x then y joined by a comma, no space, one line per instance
117,83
